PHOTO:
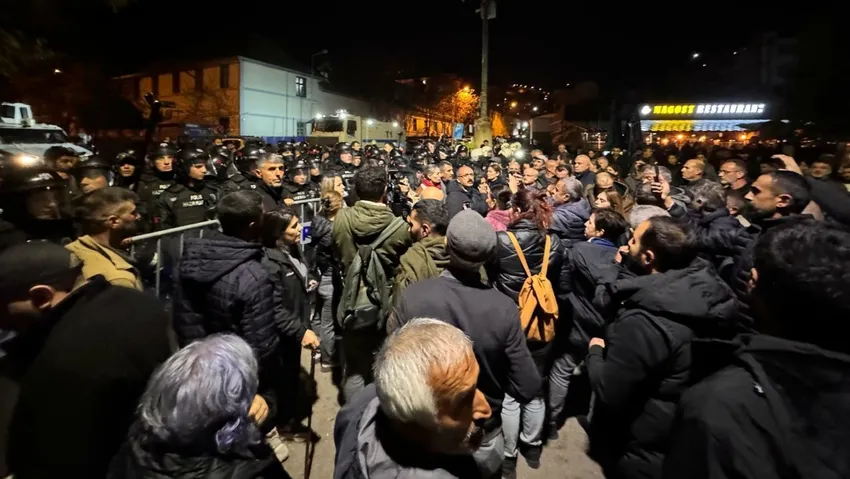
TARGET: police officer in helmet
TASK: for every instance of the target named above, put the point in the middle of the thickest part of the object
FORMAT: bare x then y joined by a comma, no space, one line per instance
192,199
244,178
299,187
36,207
93,173
128,167
159,177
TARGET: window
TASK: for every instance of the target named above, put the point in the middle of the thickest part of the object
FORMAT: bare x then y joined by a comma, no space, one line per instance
351,128
199,79
175,82
155,85
224,76
224,123
301,129
301,87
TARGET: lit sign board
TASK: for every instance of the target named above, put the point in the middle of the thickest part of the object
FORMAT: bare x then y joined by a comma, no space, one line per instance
712,109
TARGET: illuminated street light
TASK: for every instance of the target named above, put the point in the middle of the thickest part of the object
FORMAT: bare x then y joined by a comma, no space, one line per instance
743,137
370,122
395,124
319,116
525,124
57,71
424,82
703,65
513,104
534,109
695,55
734,53
680,136
466,88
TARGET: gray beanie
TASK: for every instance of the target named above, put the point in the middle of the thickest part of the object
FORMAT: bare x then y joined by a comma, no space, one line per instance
470,241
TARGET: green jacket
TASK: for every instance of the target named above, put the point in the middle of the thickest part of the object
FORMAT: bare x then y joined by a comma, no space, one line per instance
425,259
360,225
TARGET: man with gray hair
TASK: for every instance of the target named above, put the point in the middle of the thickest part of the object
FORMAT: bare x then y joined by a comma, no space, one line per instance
487,316
268,169
571,211
422,416
641,213
194,416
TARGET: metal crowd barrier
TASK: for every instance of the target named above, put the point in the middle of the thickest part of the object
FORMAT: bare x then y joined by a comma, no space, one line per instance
159,258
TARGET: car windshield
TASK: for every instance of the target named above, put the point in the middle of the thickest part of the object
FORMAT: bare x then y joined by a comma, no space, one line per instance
31,135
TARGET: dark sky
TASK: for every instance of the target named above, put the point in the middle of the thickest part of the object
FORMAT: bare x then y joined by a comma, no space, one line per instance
548,43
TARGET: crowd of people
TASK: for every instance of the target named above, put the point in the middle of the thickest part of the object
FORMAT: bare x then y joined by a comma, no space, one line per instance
683,305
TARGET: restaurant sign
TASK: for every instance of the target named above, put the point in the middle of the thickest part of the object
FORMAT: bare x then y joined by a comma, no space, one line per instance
703,109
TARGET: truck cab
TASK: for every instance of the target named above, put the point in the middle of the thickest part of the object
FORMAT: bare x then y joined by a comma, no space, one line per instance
332,129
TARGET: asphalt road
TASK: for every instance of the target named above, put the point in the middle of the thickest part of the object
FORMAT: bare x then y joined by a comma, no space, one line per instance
563,459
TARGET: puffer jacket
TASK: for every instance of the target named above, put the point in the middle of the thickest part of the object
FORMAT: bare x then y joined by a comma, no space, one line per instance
291,299
135,460
568,221
223,287
505,269
644,368
590,265
320,252
459,198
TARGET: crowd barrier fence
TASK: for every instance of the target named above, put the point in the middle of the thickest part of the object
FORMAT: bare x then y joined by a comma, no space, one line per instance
158,252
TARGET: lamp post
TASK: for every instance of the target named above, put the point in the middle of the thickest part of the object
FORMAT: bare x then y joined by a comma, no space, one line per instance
483,128
313,60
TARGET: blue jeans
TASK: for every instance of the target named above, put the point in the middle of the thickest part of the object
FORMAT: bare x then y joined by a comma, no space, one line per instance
559,384
529,417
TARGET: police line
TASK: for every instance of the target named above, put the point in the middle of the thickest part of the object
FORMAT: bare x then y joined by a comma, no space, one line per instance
180,231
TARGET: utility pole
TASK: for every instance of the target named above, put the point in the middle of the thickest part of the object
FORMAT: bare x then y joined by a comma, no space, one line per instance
483,128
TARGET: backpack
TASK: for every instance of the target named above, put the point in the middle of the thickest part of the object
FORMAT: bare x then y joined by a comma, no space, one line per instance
365,300
538,306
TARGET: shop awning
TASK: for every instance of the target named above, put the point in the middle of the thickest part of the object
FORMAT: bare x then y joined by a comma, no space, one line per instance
699,125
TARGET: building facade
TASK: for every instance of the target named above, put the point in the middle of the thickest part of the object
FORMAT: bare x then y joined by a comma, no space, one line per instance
238,96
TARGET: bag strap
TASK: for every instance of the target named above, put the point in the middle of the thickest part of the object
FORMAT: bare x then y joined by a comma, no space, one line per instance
546,251
519,253
394,225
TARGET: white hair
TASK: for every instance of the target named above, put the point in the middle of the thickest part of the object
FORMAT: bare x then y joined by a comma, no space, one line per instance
641,213
405,362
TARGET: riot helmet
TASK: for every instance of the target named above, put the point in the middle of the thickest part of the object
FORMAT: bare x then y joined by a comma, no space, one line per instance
246,158
299,172
194,164
93,173
127,163
161,157
34,194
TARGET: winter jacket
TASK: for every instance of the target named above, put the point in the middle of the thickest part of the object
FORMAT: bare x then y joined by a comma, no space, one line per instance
83,368
272,198
368,447
499,219
425,259
568,221
223,287
506,271
590,265
490,319
717,234
587,178
360,225
776,408
320,252
741,272
459,198
291,299
137,460
102,260
832,198
644,368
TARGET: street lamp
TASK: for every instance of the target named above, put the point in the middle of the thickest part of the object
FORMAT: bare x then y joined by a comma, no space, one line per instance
534,109
313,60
513,104
466,88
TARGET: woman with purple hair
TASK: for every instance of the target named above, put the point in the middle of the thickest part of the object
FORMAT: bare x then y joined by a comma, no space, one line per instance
194,418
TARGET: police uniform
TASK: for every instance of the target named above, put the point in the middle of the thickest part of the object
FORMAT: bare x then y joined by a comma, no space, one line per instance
181,205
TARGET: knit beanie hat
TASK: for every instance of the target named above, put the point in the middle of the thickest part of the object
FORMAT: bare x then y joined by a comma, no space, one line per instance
470,241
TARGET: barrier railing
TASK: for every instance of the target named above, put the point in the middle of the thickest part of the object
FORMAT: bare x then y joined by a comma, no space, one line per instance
156,258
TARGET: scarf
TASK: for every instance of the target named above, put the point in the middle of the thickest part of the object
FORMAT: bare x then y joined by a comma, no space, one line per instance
427,182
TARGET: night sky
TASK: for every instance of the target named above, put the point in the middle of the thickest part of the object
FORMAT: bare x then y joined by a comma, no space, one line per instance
548,43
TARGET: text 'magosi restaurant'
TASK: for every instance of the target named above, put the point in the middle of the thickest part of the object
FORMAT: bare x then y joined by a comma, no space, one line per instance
705,121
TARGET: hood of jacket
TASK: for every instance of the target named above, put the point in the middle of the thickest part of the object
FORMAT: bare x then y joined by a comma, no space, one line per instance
382,454
502,217
367,218
207,259
425,259
694,296
568,220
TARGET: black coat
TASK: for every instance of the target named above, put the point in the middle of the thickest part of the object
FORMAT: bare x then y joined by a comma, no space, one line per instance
775,408
741,272
505,270
138,461
320,252
459,198
223,287
490,319
83,369
644,368
589,266
291,301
